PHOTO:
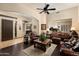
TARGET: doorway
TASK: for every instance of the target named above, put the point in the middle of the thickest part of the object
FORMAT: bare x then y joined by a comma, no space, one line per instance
64,25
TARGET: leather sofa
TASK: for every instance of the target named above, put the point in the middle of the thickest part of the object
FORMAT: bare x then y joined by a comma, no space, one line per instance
56,37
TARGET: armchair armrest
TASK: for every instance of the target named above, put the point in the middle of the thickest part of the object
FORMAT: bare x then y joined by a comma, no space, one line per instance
66,40
69,52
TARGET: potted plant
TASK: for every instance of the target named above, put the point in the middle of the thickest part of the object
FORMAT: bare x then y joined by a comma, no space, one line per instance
43,37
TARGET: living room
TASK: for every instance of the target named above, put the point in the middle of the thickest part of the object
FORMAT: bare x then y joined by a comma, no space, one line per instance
22,24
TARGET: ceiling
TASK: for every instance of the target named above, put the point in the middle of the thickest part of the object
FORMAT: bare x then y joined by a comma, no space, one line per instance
25,8
58,6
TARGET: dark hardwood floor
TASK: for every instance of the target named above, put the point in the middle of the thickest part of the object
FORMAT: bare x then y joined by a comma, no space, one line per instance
13,50
16,49
56,52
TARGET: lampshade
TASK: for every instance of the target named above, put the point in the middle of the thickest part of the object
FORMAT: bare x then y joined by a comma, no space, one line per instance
73,28
47,29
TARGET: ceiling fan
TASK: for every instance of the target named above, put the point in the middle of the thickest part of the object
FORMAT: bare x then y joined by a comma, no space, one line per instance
46,9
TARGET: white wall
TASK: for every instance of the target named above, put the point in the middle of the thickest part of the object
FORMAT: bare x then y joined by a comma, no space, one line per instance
71,13
19,24
0,30
35,23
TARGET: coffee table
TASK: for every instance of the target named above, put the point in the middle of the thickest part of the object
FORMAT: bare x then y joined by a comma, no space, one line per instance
43,45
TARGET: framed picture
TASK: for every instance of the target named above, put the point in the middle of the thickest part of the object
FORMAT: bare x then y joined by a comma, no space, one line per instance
43,26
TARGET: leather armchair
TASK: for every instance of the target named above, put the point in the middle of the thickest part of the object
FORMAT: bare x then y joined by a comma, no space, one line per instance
33,37
69,52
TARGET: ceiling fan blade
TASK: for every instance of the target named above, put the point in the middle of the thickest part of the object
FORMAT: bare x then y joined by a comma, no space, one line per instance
39,9
47,5
52,9
41,12
47,12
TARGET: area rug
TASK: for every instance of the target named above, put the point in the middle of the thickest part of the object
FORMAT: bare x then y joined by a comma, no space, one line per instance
31,51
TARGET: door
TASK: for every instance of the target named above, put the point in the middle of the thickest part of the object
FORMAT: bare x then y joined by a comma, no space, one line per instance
7,30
